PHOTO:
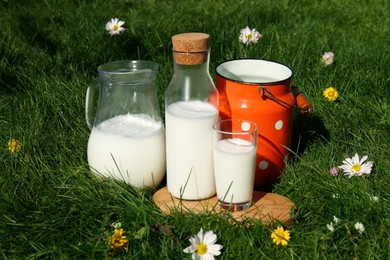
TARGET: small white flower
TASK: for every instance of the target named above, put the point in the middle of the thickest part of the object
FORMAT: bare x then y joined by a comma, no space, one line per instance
374,198
115,26
336,196
359,227
336,219
330,227
327,58
203,246
248,36
116,225
355,167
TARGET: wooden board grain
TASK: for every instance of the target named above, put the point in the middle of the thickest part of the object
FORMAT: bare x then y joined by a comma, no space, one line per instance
266,207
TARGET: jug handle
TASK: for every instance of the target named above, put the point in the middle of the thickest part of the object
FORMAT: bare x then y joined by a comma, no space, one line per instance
305,107
89,100
301,103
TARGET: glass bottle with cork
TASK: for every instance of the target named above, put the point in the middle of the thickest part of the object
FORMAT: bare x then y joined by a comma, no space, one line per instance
191,109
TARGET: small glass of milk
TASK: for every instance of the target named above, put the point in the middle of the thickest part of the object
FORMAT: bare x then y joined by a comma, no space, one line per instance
234,151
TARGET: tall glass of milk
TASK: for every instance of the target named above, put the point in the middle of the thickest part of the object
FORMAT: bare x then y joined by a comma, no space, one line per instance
191,109
235,143
127,140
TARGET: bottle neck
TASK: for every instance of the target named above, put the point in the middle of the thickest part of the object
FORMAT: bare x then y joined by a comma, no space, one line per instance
191,60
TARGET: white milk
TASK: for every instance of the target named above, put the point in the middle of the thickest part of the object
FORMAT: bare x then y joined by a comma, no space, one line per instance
189,137
129,148
234,164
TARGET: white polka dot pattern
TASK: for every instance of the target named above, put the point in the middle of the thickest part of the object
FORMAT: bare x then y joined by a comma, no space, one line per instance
263,165
245,126
279,125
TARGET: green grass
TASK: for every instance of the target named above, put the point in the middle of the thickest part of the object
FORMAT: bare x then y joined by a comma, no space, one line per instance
52,207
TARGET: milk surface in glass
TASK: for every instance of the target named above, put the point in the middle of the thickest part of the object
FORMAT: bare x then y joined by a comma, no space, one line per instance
129,148
189,142
234,162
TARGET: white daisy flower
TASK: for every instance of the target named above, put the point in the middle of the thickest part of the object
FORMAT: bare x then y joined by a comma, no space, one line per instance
248,36
327,58
115,26
203,246
355,167
359,227
330,227
336,219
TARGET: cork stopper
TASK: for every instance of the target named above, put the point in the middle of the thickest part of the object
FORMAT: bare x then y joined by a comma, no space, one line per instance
190,48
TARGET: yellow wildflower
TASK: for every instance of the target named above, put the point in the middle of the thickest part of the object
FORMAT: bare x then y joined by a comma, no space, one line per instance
280,236
118,240
331,94
14,146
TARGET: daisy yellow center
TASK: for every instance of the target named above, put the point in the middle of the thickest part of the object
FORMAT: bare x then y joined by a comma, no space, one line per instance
115,27
356,168
201,248
249,36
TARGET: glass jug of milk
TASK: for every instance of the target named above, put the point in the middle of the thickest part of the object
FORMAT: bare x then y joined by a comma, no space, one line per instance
127,140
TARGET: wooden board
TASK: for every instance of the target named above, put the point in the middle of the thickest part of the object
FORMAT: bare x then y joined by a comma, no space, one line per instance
265,207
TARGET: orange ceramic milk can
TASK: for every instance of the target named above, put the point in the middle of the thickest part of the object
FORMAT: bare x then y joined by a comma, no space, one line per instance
260,91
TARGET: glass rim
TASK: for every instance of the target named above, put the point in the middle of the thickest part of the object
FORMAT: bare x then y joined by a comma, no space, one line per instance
223,69
127,66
